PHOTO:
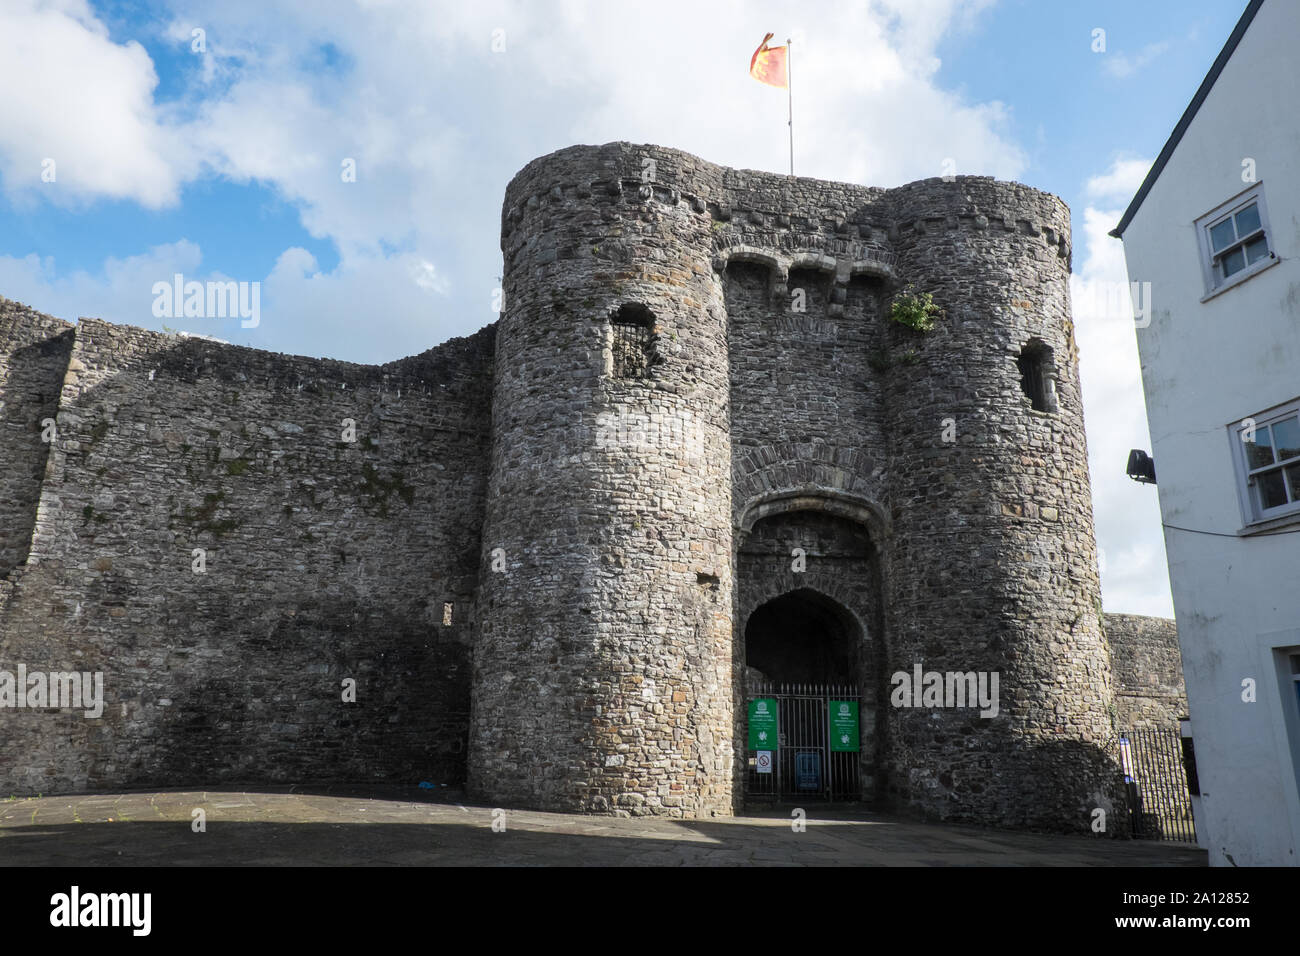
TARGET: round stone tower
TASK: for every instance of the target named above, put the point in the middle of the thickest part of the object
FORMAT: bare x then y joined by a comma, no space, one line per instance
602,675
992,563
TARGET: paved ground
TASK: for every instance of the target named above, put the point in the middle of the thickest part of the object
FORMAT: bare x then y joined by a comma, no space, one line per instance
409,828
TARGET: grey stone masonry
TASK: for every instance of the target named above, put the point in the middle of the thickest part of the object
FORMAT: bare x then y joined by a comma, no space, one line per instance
34,351
210,538
602,677
597,678
1148,666
537,551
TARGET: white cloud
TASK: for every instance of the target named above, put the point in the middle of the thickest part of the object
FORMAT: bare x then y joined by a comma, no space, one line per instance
122,293
74,97
368,305
373,307
437,122
1127,514
867,107
1121,181
1122,66
419,88
921,24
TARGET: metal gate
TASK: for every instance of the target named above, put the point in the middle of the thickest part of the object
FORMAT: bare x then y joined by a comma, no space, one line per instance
805,763
1155,781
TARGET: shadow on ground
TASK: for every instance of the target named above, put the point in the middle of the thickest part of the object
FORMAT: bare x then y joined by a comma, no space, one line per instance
362,826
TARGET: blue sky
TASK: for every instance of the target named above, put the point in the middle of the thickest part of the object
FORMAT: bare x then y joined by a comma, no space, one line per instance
224,161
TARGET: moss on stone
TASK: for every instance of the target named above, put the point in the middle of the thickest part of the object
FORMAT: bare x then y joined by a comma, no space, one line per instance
203,518
381,490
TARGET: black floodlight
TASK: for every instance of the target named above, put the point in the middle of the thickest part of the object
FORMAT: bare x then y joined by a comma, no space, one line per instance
1141,467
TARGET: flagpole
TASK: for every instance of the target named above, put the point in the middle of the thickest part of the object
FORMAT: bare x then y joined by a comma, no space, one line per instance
789,89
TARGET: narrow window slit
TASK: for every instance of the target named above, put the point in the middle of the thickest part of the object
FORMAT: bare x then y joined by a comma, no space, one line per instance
1038,376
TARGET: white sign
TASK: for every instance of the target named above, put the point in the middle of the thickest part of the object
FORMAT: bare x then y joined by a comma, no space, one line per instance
764,761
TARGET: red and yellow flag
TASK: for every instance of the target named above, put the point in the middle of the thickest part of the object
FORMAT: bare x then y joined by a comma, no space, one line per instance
768,64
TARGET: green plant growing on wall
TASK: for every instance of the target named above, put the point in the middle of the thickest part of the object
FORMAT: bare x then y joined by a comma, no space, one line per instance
88,514
204,517
379,490
917,311
99,430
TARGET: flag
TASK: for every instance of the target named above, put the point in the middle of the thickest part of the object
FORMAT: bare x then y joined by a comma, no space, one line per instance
768,64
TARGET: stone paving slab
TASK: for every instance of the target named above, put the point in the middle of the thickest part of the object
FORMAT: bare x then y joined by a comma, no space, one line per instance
405,828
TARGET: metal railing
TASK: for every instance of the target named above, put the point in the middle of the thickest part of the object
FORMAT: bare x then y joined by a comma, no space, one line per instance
805,764
1159,804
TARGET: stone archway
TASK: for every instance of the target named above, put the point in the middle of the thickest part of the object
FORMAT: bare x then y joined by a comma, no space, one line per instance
801,654
803,637
808,612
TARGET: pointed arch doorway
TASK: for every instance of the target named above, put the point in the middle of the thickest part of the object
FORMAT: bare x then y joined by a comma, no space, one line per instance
803,707
809,642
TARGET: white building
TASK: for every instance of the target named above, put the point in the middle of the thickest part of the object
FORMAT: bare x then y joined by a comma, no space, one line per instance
1215,230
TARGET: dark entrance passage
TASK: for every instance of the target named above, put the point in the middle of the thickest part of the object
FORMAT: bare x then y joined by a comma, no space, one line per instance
802,707
801,637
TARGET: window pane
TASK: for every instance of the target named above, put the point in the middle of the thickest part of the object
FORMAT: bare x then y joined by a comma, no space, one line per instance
1293,476
1260,451
1272,490
1233,262
1256,249
1286,438
1248,220
1222,235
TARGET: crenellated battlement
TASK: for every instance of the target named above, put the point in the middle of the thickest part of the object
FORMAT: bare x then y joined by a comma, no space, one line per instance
780,222
631,175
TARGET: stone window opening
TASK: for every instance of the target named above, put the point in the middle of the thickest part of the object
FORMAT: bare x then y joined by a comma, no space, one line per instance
1038,376
808,290
633,341
448,610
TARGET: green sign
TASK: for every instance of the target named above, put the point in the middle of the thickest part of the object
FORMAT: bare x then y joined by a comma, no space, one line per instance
844,725
762,724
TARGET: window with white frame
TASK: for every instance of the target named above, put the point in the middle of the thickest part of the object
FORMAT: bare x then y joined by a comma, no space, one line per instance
1234,240
1268,463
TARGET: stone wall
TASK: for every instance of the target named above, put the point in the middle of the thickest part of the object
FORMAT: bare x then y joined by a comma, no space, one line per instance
323,559
987,557
992,564
34,351
603,667
1148,665
692,362
839,570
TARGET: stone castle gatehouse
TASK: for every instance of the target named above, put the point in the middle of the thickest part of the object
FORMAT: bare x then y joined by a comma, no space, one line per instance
694,454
